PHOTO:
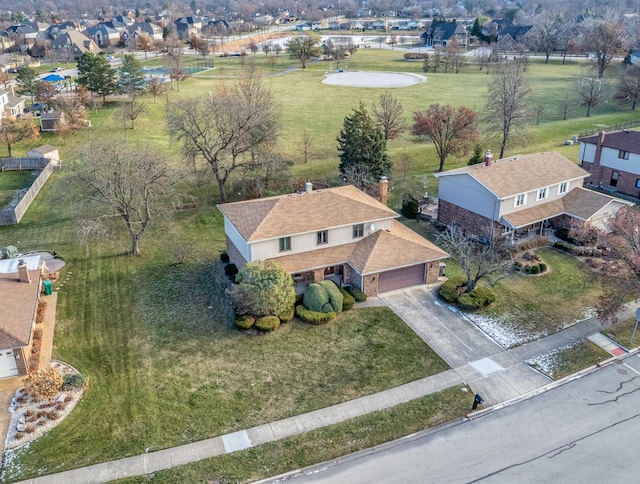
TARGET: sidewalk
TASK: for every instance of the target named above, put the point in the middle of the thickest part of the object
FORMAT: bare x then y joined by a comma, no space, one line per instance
498,378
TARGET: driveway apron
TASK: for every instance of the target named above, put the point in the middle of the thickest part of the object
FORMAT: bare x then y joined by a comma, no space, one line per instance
456,340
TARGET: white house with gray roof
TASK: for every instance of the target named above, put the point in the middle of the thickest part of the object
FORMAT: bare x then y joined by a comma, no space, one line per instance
340,233
520,193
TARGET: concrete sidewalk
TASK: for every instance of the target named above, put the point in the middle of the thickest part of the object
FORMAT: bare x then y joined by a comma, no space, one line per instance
498,375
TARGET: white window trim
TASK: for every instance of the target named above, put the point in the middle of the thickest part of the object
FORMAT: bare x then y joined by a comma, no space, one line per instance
566,187
524,200
542,193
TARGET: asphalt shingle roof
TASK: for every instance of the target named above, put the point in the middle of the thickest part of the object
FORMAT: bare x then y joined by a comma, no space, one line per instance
523,173
620,140
17,311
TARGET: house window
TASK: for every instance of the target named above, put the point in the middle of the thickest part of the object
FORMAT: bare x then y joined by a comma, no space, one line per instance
623,155
562,188
521,199
358,230
285,244
637,182
542,193
323,237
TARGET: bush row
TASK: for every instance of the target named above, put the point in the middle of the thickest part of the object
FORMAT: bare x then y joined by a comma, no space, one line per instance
565,246
264,323
357,294
314,317
476,299
414,56
530,269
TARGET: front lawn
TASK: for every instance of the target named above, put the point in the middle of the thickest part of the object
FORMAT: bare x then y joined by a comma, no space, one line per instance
532,307
321,445
621,333
166,366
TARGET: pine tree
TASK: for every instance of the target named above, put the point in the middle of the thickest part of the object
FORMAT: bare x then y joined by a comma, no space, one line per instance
131,77
96,74
477,156
363,149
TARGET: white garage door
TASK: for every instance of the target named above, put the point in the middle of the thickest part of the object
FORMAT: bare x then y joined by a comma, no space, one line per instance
399,278
8,365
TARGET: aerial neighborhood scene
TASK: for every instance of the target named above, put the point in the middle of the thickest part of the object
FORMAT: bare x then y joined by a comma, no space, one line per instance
319,242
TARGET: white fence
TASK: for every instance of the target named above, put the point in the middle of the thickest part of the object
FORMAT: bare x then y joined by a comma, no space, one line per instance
11,214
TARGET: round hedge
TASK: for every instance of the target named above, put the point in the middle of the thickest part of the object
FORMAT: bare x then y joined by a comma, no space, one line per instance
267,323
245,322
286,316
314,317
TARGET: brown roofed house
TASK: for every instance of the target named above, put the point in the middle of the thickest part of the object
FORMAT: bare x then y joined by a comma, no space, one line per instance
20,294
337,233
521,193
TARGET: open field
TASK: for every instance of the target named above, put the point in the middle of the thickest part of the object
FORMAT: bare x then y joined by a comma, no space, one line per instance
155,338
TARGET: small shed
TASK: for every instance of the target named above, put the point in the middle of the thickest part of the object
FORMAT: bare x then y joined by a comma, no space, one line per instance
46,151
50,121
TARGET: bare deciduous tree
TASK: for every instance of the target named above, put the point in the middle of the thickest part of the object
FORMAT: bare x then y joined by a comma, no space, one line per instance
628,91
307,143
453,132
605,40
508,102
404,165
566,106
232,123
389,115
479,261
121,183
156,87
13,130
132,108
145,44
590,93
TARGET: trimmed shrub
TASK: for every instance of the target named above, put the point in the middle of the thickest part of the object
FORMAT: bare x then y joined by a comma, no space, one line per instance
267,323
245,322
535,269
347,300
484,294
299,298
231,270
527,269
335,296
73,381
323,296
286,316
224,257
543,267
533,243
414,56
450,290
563,246
357,294
314,317
563,234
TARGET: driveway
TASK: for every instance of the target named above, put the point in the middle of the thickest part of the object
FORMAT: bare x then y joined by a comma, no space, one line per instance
456,340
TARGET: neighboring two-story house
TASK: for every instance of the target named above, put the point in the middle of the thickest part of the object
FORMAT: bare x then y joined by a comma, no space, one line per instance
336,232
527,192
613,160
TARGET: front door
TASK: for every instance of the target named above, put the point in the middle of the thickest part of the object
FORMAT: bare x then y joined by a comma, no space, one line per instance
614,179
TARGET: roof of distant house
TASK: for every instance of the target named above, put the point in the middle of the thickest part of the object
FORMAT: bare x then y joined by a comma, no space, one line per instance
523,173
625,140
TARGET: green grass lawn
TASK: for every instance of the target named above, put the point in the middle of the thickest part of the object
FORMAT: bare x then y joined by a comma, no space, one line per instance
321,445
10,181
569,359
166,365
155,337
621,333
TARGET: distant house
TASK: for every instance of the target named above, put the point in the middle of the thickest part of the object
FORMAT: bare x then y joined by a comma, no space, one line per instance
612,161
10,105
520,193
442,33
51,121
186,27
20,288
103,35
336,233
75,42
513,37
134,31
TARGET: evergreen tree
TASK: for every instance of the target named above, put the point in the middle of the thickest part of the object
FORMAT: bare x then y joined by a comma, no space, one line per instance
27,81
363,149
131,77
477,156
96,74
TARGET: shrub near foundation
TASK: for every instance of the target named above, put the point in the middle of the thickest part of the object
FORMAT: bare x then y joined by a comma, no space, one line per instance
314,317
450,289
245,321
267,323
347,300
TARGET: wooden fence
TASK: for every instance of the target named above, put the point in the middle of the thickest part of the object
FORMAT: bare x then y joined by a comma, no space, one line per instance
11,215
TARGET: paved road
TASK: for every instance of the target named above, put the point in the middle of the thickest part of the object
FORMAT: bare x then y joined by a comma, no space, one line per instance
583,431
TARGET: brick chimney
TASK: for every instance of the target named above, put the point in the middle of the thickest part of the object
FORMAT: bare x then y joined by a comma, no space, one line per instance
488,158
596,159
384,190
23,272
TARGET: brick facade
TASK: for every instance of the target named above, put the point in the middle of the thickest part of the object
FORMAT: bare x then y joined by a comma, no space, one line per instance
450,214
20,354
433,272
370,285
601,176
235,257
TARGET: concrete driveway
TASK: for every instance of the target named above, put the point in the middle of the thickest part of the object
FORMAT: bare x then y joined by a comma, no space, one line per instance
497,374
455,339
